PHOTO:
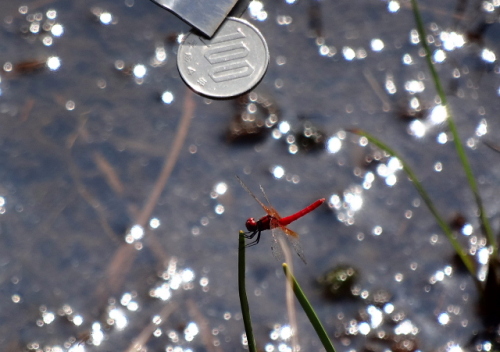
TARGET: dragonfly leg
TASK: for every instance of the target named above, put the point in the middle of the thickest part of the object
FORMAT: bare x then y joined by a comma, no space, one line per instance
250,236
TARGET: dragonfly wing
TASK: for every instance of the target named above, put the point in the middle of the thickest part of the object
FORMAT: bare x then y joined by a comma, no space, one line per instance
293,238
270,209
276,247
267,209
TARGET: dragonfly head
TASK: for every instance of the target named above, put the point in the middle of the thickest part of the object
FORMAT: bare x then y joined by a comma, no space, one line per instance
251,225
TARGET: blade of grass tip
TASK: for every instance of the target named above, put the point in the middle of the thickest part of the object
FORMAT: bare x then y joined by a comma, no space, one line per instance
308,309
462,253
485,224
290,306
245,310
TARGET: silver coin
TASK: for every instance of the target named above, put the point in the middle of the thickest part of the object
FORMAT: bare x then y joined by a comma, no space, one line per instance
231,63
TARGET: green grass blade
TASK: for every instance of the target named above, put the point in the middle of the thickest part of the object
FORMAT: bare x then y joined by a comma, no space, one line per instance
428,56
462,253
485,224
245,310
308,309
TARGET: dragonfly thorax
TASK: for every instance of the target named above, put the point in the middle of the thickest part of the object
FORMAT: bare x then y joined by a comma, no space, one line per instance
264,223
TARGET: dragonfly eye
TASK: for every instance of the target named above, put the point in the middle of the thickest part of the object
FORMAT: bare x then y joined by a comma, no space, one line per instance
251,225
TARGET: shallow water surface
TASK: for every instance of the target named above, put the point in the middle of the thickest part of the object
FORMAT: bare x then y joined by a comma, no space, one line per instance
119,209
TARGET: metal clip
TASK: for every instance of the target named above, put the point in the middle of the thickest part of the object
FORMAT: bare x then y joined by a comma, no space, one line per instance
204,15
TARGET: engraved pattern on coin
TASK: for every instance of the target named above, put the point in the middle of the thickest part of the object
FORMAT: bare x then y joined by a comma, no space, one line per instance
231,63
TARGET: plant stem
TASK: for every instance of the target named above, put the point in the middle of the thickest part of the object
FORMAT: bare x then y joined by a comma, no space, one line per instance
308,309
485,224
245,310
469,264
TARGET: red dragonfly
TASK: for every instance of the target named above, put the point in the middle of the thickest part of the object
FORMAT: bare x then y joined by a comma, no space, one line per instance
273,221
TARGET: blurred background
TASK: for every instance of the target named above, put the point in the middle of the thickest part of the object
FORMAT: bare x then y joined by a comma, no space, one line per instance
120,210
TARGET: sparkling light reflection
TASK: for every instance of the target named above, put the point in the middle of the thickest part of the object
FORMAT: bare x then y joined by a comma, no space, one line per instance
48,317
443,318
442,138
438,166
389,308
414,86
488,55
414,38
220,188
97,334
467,229
256,9
364,328
139,71
483,255
349,53
325,50
128,302
488,6
376,316
78,320
283,20
389,170
368,180
361,53
482,128
53,63
406,327
333,145
154,223
191,331
455,348
377,44
347,205
280,334
390,86
377,230
440,275
51,14
118,318
106,18
219,209
417,128
439,56
437,116
47,40
35,27
286,332
160,54
70,105
173,279
451,40
393,6
167,97
135,233
77,348
278,171
269,348
407,59
57,30
354,200
2,203
284,127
